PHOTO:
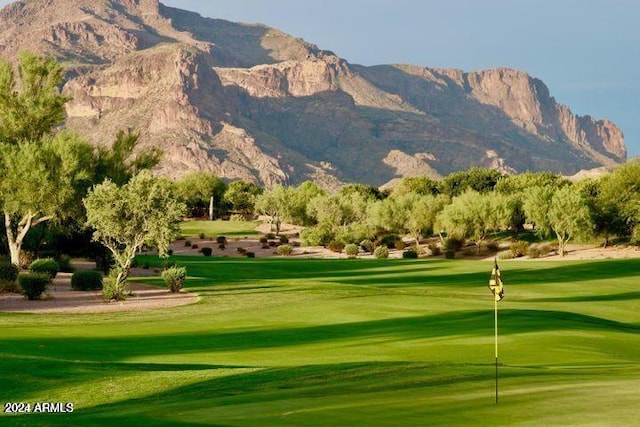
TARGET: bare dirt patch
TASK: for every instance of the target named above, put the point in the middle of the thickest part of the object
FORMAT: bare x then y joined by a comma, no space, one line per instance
60,298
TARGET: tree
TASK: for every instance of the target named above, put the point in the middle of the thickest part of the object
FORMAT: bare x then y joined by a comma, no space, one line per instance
473,215
423,214
33,111
621,191
241,196
477,179
143,211
40,181
422,185
274,203
197,188
568,216
517,184
605,213
301,196
536,204
119,163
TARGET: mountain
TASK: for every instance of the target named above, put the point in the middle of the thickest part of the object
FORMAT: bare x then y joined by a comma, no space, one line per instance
248,101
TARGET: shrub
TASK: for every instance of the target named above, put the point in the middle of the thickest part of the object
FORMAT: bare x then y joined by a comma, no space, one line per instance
367,245
296,244
389,240
450,254
534,252
270,236
86,280
435,249
170,252
265,246
45,265
221,240
202,236
319,235
187,243
222,247
400,245
241,251
34,284
351,250
335,246
506,255
8,277
250,255
381,252
174,277
410,254
194,246
237,218
273,244
9,272
64,262
264,240
452,243
493,246
207,251
284,240
519,248
285,250
26,258
470,251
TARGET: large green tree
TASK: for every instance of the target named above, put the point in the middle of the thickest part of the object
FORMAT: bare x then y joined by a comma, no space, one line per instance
568,216
200,190
143,211
40,181
241,196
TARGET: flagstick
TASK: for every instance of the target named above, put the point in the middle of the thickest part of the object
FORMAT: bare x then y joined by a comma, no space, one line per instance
495,304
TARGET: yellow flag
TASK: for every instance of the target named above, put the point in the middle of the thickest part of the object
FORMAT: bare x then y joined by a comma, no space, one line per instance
495,283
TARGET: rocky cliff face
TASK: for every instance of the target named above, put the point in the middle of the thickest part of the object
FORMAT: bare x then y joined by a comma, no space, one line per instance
250,102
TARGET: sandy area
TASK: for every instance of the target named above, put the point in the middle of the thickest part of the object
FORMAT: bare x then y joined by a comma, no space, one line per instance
60,298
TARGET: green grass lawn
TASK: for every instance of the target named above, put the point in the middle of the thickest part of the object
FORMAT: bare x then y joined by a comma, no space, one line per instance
219,228
279,342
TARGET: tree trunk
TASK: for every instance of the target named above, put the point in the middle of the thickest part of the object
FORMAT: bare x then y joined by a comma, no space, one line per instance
23,227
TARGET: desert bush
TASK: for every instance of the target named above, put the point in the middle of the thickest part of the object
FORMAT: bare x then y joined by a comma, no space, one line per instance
170,252
86,280
187,243
317,236
194,246
34,284
506,255
265,246
45,265
174,278
493,246
273,244
241,251
400,245
452,243
222,247
470,251
285,250
367,245
264,240
519,248
270,236
64,262
410,254
284,240
221,240
534,252
351,250
389,240
202,236
435,249
450,254
237,218
381,252
250,255
26,258
207,251
8,277
335,246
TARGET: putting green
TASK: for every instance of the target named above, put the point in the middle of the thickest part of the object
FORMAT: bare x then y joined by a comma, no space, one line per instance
343,342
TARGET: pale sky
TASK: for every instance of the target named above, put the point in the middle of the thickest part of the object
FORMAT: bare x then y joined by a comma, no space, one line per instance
586,51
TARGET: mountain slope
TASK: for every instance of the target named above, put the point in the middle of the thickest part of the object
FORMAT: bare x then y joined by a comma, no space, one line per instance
250,102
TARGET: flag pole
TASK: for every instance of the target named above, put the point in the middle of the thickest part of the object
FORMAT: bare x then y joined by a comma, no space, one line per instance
495,304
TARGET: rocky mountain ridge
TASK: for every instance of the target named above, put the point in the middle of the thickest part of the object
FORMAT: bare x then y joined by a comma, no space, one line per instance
250,102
